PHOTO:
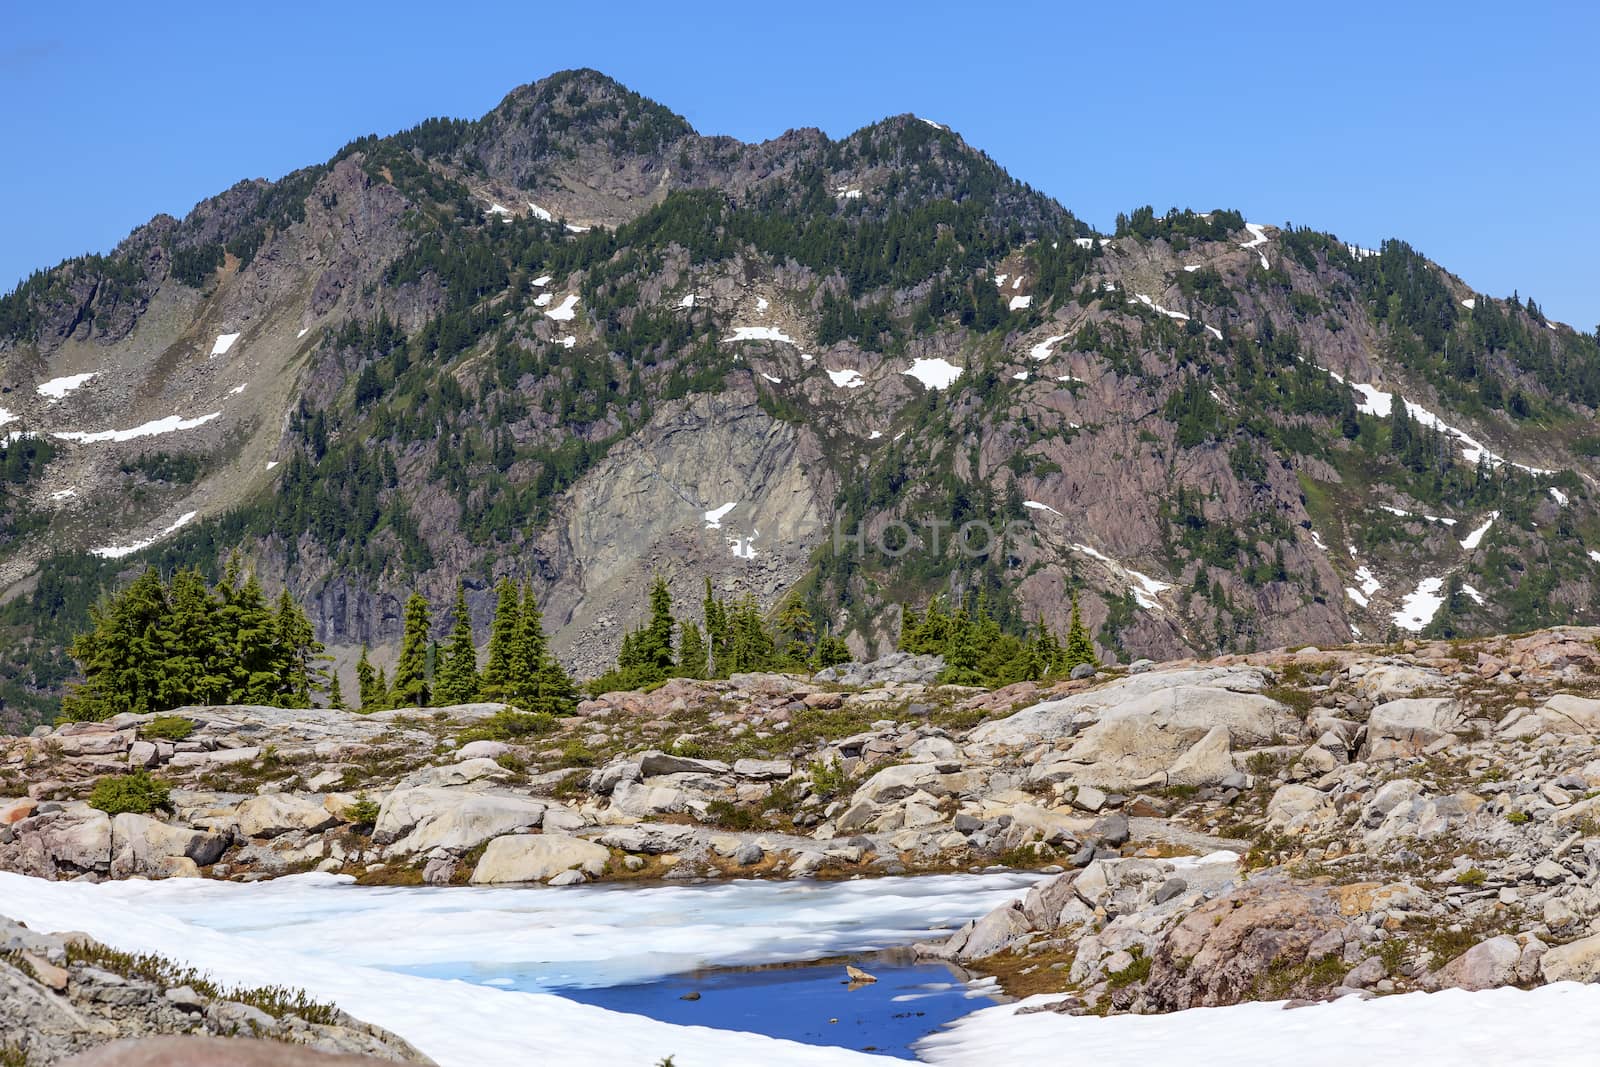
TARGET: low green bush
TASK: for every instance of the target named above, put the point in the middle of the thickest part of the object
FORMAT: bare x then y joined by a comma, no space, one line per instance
509,726
167,728
137,792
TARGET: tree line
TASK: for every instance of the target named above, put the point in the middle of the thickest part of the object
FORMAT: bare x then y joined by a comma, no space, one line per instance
978,651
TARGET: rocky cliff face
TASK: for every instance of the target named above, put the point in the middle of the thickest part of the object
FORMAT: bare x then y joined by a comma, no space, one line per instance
547,343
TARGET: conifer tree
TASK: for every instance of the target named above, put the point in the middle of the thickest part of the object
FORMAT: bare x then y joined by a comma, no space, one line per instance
531,647
798,633
411,672
297,653
457,678
370,690
656,658
832,651
693,661
1080,647
716,632
335,694
504,634
961,654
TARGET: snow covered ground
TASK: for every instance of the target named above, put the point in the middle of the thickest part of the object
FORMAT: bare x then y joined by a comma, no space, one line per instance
934,373
1144,588
1420,605
1555,1024
346,944
154,428
758,333
846,379
118,551
1041,351
564,312
56,388
223,343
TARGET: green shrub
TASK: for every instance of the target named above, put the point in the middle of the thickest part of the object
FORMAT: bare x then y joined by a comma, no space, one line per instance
1472,876
167,728
136,792
363,812
576,754
1137,971
730,816
1518,817
509,726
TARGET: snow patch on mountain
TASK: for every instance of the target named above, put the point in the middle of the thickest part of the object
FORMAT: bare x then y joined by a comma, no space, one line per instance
56,388
170,424
224,341
935,373
846,379
758,333
565,312
118,551
1420,605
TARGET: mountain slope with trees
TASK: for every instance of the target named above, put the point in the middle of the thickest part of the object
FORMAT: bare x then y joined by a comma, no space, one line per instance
575,344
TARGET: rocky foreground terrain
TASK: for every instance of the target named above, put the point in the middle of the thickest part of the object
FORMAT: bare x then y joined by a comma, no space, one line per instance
1278,825
61,995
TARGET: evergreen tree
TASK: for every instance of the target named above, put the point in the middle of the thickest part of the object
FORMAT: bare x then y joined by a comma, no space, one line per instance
410,687
370,688
504,635
335,694
961,654
832,651
693,661
457,678
716,632
656,659
797,633
1080,647
298,654
531,647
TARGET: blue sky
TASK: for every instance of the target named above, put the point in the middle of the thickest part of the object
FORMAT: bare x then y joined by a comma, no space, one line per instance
1471,130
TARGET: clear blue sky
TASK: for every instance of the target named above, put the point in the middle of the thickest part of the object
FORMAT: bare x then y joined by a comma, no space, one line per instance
1471,130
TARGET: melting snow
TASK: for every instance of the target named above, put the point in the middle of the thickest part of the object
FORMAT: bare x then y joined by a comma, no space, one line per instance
118,551
1316,539
1258,237
743,548
874,435
541,281
56,388
224,341
715,516
761,304
1000,280
1038,506
236,390
564,311
847,379
1473,539
1145,588
568,342
1041,351
498,209
1020,376
63,494
1369,584
303,331
1420,605
687,301
150,429
1474,594
850,193
935,373
271,463
1594,555
542,300
1020,302
1469,303
1016,283
1557,1023
770,378
1192,267
1561,498
1377,402
577,229
758,333
540,213
930,122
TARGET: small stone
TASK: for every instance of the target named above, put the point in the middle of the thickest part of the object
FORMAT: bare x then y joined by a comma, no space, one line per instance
1172,887
1083,670
1089,798
1112,830
856,974
748,855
